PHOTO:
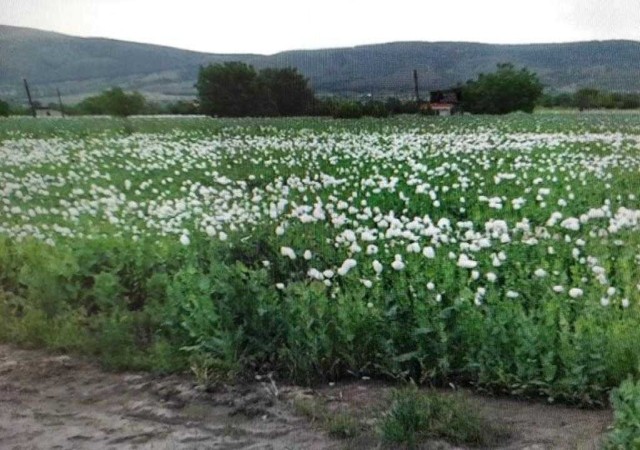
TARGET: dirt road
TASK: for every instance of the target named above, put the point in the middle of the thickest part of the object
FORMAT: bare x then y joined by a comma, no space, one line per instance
61,402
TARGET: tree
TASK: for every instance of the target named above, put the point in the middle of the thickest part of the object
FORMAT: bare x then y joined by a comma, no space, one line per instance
289,90
502,92
4,109
233,89
114,102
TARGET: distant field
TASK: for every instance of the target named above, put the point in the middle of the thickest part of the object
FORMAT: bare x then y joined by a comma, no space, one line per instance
501,252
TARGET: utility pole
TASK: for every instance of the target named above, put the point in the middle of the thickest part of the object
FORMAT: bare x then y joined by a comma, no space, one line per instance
26,87
415,84
60,102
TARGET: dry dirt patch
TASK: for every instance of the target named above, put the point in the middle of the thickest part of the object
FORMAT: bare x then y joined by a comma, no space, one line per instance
62,402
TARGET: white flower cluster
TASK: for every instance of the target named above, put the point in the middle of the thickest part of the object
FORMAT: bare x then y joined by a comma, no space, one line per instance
393,202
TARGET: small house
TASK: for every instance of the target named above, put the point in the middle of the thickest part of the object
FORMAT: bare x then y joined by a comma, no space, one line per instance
444,102
442,109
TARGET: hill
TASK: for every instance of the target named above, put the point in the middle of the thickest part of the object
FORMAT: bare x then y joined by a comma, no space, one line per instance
83,66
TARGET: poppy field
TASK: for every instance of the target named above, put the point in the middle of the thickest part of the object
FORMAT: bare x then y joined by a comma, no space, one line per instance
501,253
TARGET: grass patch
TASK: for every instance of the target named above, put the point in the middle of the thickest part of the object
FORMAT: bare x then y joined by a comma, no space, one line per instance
211,373
338,424
412,418
310,408
342,426
416,416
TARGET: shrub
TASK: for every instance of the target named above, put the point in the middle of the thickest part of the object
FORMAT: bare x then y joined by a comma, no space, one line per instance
183,107
626,425
375,109
322,107
348,110
114,102
4,109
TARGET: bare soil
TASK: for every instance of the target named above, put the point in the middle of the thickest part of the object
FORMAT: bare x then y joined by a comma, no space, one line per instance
62,402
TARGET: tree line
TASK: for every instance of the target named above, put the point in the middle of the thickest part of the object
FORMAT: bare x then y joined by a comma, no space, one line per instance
111,102
236,89
589,98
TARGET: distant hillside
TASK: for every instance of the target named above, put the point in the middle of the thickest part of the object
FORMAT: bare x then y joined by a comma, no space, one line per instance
83,66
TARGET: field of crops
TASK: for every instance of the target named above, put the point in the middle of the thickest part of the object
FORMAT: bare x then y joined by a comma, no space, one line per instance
498,252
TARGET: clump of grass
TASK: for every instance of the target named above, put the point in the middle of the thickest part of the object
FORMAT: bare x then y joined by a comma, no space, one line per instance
342,426
310,408
211,372
416,416
339,425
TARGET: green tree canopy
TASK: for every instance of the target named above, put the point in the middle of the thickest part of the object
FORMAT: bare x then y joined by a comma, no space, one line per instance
235,89
114,102
289,90
502,92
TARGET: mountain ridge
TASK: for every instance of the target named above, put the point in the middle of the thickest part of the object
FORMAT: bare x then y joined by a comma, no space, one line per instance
81,66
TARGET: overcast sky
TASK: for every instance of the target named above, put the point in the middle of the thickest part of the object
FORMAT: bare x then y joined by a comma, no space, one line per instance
263,26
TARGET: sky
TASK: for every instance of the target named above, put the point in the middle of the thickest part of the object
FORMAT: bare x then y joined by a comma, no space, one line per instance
263,26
